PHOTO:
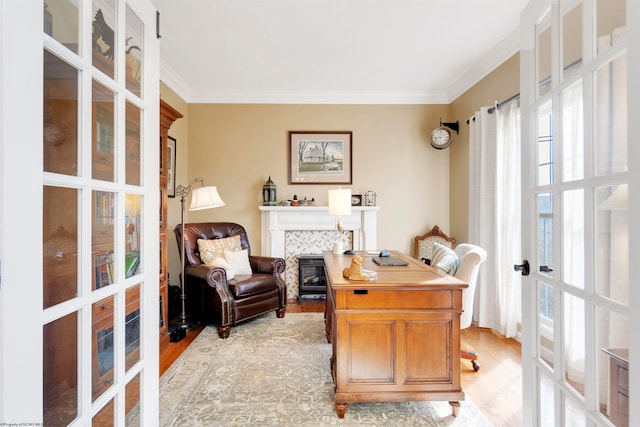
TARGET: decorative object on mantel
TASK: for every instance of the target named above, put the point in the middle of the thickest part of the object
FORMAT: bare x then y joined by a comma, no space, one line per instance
269,193
320,157
356,200
201,198
356,272
370,198
339,204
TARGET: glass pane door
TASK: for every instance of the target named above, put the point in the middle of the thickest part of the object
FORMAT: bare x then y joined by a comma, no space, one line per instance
576,344
98,120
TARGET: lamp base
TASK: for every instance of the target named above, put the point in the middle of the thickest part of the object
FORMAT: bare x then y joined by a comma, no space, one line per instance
338,248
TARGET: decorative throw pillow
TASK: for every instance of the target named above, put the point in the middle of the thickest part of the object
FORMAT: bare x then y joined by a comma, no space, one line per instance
211,249
239,261
222,263
444,259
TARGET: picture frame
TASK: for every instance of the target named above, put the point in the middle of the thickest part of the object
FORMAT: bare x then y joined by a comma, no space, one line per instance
356,200
171,166
320,157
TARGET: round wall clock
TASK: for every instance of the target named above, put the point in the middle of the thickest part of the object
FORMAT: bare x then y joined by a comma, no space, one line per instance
52,134
440,138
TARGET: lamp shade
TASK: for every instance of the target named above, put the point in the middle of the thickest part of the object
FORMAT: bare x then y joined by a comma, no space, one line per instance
340,202
205,198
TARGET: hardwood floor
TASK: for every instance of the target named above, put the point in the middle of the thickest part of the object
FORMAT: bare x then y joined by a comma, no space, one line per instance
496,388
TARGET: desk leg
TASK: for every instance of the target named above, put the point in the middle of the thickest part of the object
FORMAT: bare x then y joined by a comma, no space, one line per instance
455,408
341,408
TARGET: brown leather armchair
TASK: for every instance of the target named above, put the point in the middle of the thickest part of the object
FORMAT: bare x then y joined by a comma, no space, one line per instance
210,298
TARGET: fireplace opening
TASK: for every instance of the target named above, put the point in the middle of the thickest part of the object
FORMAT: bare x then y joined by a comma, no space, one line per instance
312,283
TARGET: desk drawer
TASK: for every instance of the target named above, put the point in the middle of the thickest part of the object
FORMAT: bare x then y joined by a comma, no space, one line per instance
399,299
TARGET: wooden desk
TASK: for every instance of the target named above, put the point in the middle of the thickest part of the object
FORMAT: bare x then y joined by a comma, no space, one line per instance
395,339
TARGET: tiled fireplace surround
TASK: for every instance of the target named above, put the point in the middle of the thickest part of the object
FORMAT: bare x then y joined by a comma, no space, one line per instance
289,231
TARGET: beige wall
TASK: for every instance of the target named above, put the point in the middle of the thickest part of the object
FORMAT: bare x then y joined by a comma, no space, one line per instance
238,146
501,84
180,131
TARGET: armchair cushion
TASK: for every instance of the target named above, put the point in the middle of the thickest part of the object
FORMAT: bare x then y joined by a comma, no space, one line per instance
243,285
445,259
222,263
210,249
239,261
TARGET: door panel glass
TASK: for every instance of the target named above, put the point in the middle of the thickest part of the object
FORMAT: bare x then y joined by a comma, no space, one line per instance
60,245
543,56
573,249
610,117
61,22
545,144
132,399
545,323
103,29
133,166
610,22
572,133
545,233
103,133
546,414
104,418
132,327
104,204
612,243
574,415
102,354
60,116
133,227
574,342
60,374
134,49
571,12
612,332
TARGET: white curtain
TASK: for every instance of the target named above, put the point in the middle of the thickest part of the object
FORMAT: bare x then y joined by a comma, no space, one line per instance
494,214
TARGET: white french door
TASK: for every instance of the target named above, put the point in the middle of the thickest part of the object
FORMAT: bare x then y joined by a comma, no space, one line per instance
577,300
79,286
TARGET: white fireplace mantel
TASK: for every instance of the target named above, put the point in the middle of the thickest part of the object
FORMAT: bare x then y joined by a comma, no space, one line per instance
276,220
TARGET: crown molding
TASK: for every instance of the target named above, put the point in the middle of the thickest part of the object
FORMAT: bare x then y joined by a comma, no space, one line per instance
501,53
175,82
314,97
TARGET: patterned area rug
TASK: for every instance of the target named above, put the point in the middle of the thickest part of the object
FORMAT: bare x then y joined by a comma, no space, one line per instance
275,372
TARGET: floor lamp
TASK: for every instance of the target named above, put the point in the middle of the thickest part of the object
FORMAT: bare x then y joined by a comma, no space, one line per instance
201,198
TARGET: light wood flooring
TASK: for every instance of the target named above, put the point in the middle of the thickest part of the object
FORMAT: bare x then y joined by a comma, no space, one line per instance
496,388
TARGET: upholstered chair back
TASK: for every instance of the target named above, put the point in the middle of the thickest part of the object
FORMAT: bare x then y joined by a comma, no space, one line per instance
471,257
209,231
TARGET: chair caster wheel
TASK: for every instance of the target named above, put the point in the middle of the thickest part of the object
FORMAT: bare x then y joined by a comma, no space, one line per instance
476,365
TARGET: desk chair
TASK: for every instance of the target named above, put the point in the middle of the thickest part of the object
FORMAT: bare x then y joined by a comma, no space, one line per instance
424,244
470,257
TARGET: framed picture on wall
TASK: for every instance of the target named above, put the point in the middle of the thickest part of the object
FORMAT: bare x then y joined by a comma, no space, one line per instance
171,167
320,157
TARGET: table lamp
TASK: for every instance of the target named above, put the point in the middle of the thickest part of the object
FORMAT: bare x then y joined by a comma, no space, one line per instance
201,198
339,204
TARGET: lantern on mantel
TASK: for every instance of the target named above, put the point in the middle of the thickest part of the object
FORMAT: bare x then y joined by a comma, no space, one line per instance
269,193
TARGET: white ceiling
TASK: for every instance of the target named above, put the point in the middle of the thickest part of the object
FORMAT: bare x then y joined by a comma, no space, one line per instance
333,51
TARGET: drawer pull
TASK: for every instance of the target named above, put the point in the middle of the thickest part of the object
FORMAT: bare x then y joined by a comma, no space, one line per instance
105,307
360,291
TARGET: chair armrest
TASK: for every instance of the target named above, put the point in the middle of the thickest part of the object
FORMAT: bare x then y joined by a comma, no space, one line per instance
216,277
267,265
